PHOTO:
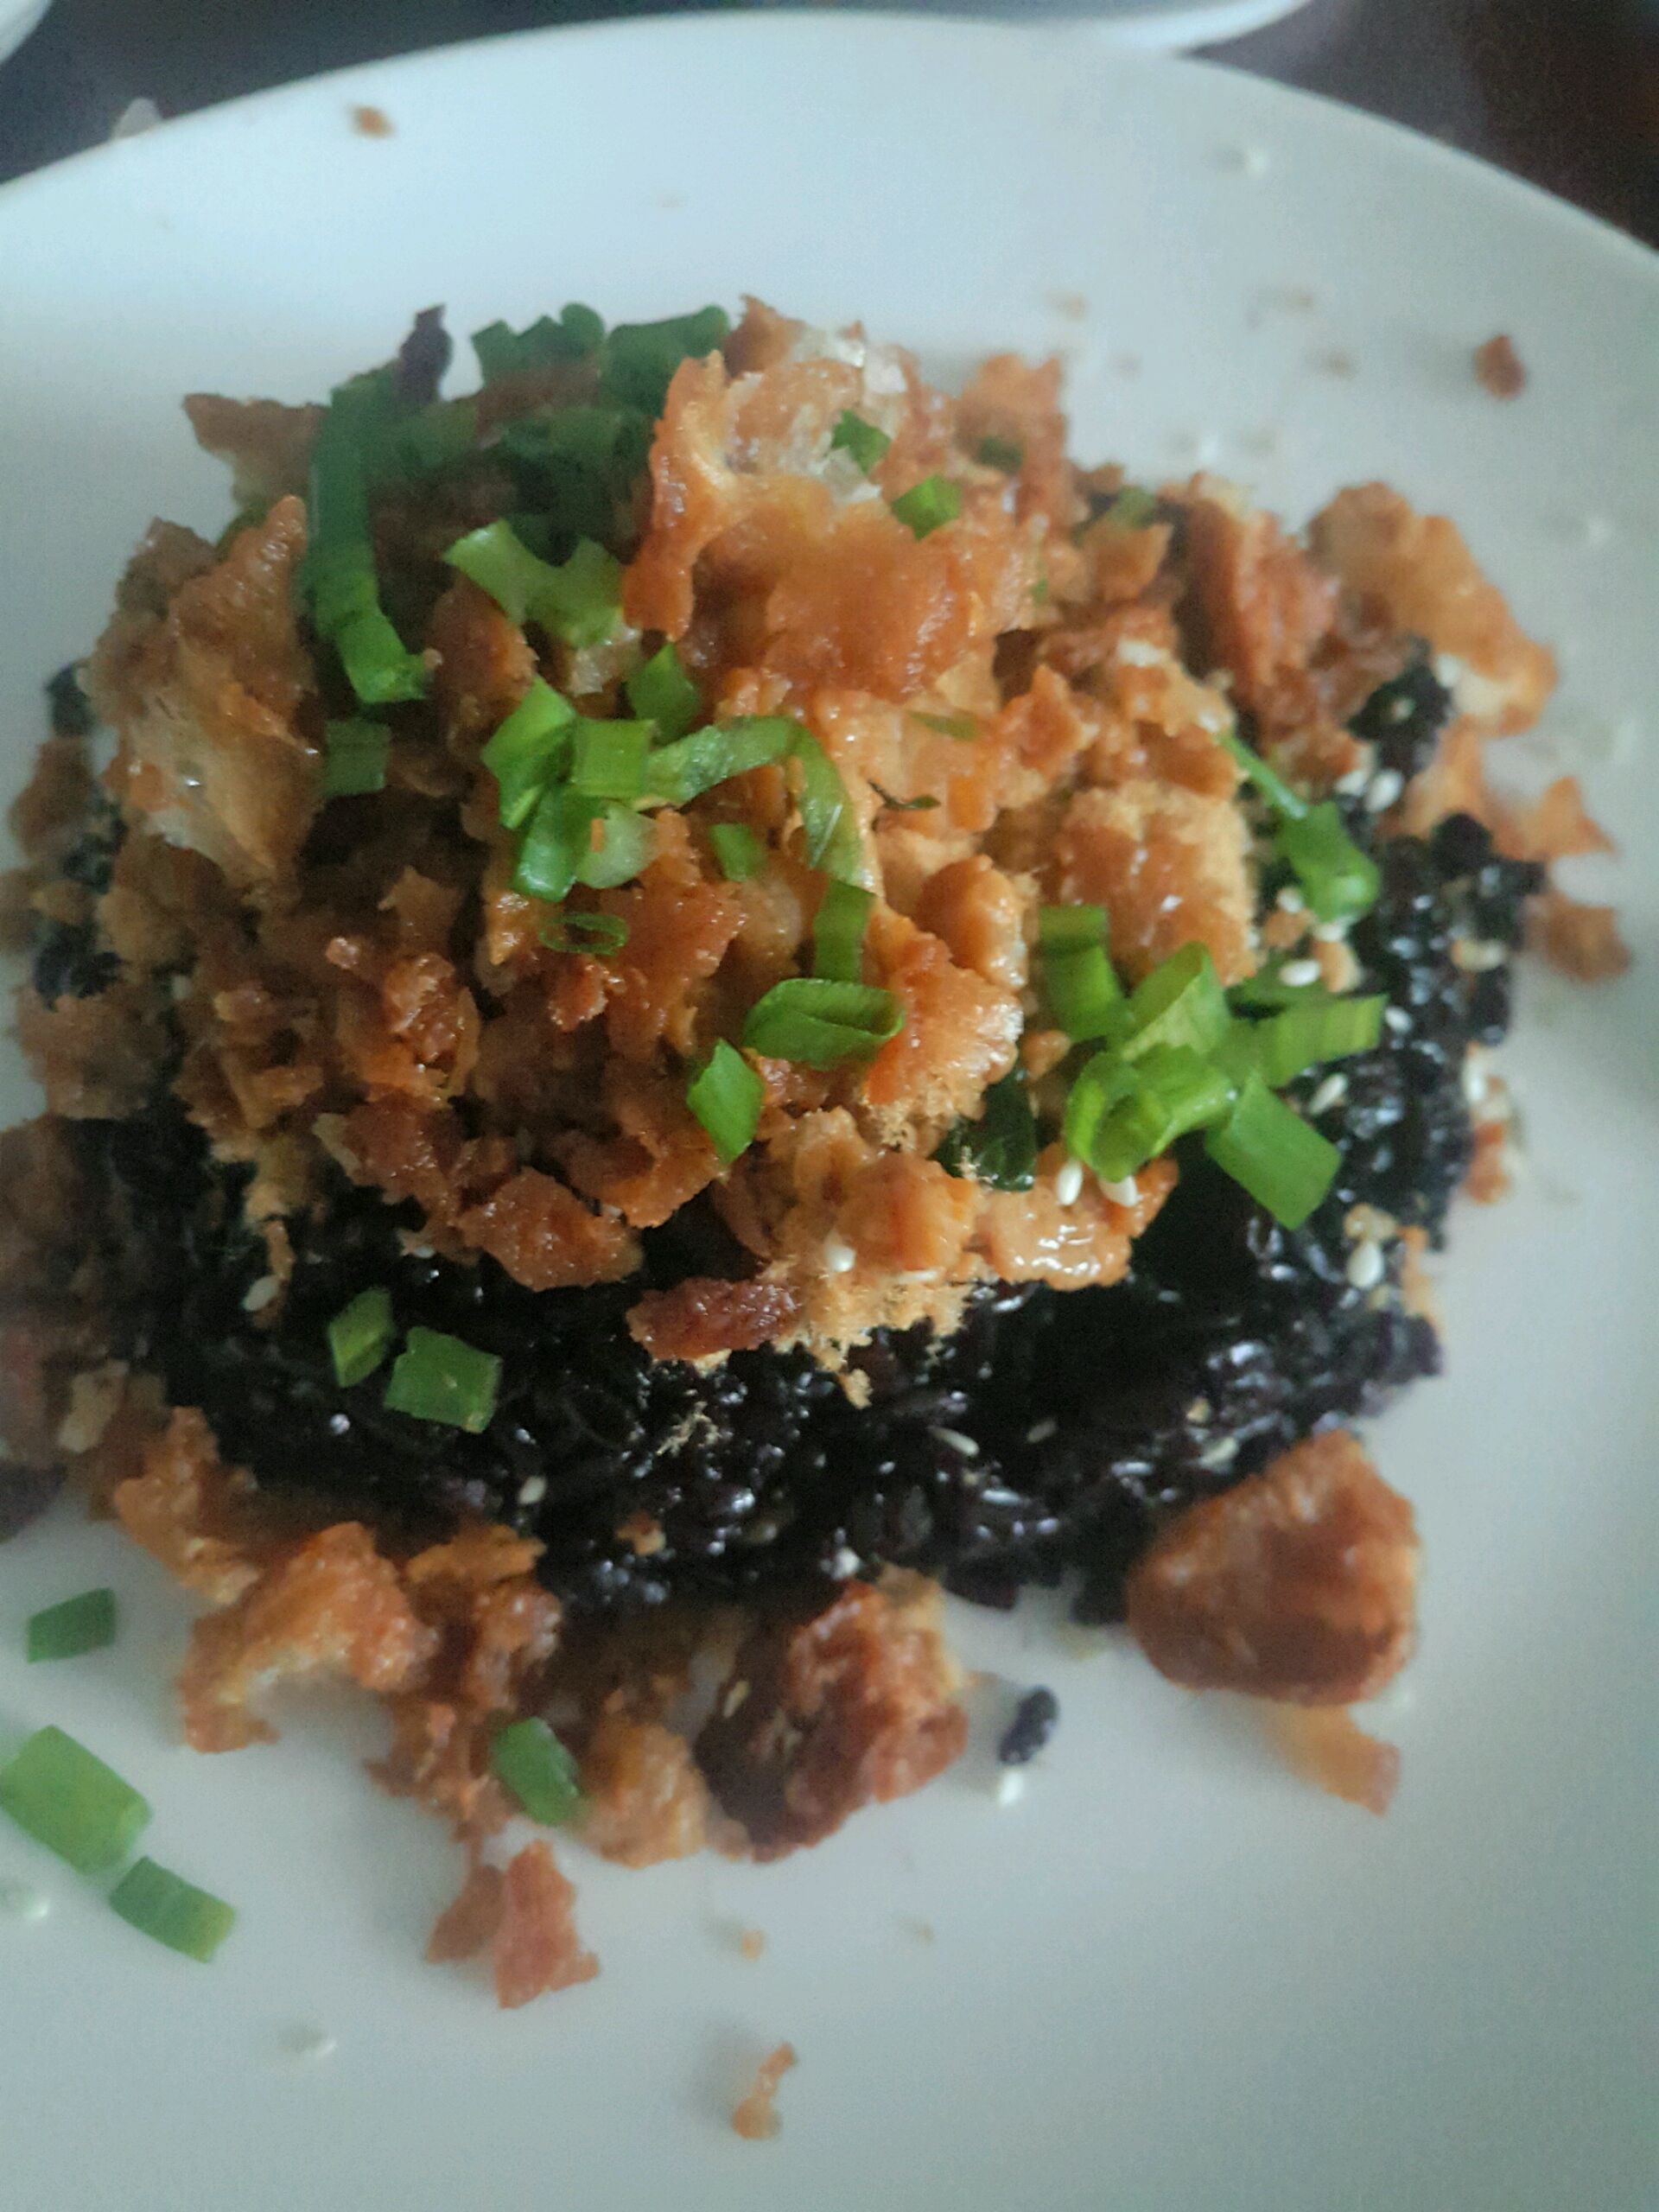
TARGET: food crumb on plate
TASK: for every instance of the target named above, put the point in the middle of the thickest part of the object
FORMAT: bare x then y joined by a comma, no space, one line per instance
919,1931
308,2046
1335,361
756,2116
752,1942
372,122
1499,369
1035,1719
1072,305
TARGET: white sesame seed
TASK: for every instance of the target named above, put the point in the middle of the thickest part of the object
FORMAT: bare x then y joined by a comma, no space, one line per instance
1366,1265
260,1294
1010,1786
1068,1183
1399,710
1475,1080
1291,901
532,1490
845,1564
1123,1192
1383,789
1333,932
1330,1092
1199,1411
1136,652
1351,785
21,1901
1296,973
839,1258
1222,1453
1397,1019
1040,1432
955,1440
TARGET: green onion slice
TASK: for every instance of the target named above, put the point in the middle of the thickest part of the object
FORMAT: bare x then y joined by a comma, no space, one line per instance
927,506
1284,1165
1000,1149
820,1023
627,844
596,934
924,805
557,842
1305,1037
337,573
609,759
739,852
360,1335
506,352
1005,454
437,1377
1179,1003
852,435
727,1096
1133,508
838,930
1271,784
1338,879
1267,988
77,1625
355,759
1080,983
172,1911
499,563
830,825
529,1759
961,727
58,1793
580,601
683,770
528,751
1120,1114
639,359
662,693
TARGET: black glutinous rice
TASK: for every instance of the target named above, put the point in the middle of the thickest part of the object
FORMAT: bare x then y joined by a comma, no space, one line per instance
1048,1433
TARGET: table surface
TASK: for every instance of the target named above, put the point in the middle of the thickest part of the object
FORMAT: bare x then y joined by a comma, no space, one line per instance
1564,91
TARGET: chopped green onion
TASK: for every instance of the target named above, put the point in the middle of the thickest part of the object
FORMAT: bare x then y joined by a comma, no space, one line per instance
961,726
527,752
727,1096
639,359
576,469
426,442
609,760
581,600
828,824
57,1792
1284,1165
739,852
591,934
536,1768
1099,1089
852,435
627,844
1000,1149
1271,786
1084,994
820,1023
1306,1036
927,506
662,693
505,352
360,1335
172,1911
1134,1112
437,1377
78,1625
558,839
339,573
838,930
1267,988
1338,879
1179,1003
682,771
1133,508
1001,453
355,760
924,805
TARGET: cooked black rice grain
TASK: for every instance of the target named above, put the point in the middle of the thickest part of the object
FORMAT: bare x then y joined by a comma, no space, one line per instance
1094,1413
1036,1717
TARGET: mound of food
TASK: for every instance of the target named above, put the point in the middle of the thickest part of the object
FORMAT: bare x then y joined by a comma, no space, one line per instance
708,988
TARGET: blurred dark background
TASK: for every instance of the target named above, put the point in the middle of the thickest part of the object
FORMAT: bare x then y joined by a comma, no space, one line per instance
1564,92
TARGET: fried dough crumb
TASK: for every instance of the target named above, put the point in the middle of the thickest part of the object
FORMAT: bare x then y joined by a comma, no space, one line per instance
752,1942
1499,369
1327,1747
756,2118
372,122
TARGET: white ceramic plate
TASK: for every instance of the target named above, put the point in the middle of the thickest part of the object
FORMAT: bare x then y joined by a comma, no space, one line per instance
1171,1977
